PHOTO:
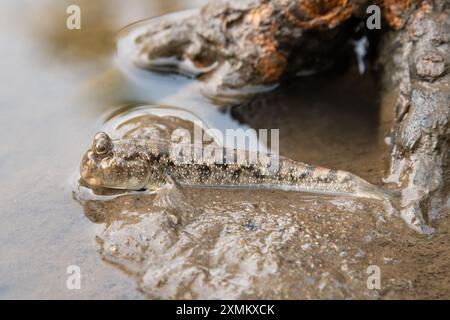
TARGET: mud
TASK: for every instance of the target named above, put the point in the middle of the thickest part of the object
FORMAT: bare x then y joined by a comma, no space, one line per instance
274,245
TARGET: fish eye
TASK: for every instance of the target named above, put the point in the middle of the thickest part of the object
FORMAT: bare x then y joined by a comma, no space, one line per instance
100,148
102,143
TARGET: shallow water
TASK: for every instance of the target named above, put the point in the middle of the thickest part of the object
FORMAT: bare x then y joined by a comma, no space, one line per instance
55,86
59,87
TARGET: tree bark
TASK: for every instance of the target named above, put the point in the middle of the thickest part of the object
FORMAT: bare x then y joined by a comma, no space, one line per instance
415,66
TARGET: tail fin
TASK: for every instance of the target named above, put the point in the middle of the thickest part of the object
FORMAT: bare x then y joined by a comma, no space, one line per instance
369,190
391,194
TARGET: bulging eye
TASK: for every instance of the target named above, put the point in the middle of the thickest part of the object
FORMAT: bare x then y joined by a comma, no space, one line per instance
102,143
100,148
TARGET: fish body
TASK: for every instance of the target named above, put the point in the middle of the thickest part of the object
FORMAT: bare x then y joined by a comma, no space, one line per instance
136,164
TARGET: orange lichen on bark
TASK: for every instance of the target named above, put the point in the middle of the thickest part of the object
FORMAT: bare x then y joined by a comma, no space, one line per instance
309,14
271,63
260,14
271,66
394,10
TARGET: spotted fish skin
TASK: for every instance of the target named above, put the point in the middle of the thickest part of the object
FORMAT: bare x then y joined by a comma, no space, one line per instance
254,170
142,163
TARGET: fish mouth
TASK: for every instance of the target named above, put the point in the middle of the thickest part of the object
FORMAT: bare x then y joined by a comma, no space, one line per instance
91,182
97,183
88,178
